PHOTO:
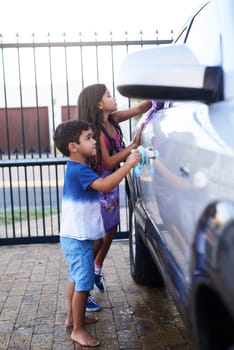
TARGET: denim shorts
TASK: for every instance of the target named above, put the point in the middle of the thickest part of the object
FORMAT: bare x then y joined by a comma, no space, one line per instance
79,255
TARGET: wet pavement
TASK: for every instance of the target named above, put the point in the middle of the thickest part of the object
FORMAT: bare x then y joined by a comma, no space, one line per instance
33,281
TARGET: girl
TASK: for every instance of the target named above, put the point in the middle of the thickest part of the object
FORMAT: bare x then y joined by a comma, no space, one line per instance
96,105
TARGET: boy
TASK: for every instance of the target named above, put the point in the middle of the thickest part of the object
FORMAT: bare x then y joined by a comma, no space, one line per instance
81,221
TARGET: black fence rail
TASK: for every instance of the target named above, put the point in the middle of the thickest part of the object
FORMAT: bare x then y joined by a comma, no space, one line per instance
39,86
30,206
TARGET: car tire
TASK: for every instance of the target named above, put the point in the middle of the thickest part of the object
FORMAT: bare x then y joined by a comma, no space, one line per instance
143,268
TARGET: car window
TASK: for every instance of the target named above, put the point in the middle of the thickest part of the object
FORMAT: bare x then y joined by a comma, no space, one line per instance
203,36
181,37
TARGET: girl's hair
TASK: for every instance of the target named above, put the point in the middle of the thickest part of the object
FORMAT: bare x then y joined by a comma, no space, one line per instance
88,109
69,131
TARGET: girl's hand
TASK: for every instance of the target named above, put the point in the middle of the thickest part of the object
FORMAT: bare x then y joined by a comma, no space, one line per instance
137,138
144,106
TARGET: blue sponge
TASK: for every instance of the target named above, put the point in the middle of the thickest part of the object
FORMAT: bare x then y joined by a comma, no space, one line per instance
139,166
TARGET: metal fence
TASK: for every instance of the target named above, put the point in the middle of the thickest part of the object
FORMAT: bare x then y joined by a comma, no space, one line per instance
39,86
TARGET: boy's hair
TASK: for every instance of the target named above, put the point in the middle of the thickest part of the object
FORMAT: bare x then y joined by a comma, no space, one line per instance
69,131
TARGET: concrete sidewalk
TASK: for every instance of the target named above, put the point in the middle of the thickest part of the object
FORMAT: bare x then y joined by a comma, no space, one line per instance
33,282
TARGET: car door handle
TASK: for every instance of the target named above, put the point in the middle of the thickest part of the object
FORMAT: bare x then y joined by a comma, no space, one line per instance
151,153
184,171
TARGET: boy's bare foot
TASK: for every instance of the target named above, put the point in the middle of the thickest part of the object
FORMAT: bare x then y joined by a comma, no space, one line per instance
83,338
88,320
68,323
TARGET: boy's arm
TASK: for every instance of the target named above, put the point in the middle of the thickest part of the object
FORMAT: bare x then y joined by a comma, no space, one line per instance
121,116
108,183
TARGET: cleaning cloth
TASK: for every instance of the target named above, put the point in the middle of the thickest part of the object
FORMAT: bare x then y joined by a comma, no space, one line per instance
139,166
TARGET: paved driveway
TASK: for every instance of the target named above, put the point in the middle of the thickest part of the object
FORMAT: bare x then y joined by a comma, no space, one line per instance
33,304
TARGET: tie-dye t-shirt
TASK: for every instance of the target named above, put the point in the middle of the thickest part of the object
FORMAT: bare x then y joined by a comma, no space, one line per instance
81,213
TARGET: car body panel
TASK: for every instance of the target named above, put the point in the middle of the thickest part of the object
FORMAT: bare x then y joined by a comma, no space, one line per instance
194,161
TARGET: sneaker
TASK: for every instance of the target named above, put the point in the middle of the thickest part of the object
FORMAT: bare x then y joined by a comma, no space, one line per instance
99,283
92,305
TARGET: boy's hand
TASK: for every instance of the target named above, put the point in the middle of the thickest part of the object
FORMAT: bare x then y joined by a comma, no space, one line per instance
134,158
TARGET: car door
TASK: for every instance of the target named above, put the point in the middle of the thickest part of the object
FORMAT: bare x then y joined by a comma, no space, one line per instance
178,184
175,184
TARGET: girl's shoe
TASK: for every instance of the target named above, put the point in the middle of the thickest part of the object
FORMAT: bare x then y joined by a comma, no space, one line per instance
99,283
92,305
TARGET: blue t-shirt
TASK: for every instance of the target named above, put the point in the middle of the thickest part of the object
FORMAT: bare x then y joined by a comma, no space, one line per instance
81,213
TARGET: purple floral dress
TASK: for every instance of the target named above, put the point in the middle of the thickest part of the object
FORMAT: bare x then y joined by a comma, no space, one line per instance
110,200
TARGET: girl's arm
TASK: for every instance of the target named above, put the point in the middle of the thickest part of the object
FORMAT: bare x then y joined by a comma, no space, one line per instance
108,183
111,161
121,116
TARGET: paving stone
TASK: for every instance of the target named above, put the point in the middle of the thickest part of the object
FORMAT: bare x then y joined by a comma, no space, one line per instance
4,341
33,286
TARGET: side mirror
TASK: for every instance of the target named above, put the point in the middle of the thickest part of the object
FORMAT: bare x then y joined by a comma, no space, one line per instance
169,73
